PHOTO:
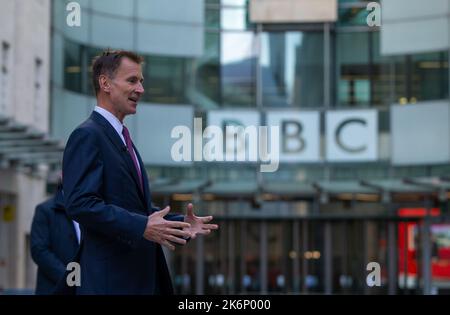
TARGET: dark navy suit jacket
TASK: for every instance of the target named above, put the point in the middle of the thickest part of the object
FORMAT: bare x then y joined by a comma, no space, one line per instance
53,243
102,193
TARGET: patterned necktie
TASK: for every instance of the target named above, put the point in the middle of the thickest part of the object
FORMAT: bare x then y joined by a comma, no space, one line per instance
126,135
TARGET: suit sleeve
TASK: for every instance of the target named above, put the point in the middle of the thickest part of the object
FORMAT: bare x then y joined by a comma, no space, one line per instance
82,182
41,251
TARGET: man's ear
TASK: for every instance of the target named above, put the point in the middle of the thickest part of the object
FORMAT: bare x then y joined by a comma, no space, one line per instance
104,83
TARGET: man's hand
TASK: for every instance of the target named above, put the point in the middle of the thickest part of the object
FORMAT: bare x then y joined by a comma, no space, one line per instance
164,232
198,225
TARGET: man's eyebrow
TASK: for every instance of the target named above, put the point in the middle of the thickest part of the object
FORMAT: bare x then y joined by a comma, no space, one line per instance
135,77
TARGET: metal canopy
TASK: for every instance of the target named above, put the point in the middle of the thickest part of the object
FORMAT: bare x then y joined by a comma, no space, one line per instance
397,186
430,182
181,187
289,188
237,188
26,146
344,187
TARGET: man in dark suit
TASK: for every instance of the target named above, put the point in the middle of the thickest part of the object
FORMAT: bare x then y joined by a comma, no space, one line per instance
107,191
54,242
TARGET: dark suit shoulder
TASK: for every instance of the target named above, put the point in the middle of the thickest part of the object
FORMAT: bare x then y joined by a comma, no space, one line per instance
89,126
88,129
46,206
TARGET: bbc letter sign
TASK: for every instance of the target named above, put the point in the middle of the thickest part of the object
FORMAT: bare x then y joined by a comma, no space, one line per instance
299,135
352,136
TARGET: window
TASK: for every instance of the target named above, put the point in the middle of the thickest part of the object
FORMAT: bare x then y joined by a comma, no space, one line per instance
72,66
292,69
421,77
166,79
353,69
238,69
207,92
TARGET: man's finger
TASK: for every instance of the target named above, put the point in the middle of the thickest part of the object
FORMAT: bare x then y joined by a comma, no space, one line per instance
206,219
178,224
179,232
177,240
210,226
164,211
190,209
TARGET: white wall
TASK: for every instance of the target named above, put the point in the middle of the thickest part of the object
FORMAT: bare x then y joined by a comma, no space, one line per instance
414,26
25,27
420,133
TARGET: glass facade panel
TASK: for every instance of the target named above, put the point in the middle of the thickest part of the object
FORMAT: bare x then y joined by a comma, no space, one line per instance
166,79
115,7
72,66
238,68
381,74
421,77
207,93
430,79
352,16
234,2
212,18
292,69
352,69
233,19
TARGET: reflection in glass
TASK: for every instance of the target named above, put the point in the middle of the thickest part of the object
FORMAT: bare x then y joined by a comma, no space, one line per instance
430,81
352,16
72,66
206,92
238,68
234,2
292,69
212,18
353,69
233,18
165,79
420,77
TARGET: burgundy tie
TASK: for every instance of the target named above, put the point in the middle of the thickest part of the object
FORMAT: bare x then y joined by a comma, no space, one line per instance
126,135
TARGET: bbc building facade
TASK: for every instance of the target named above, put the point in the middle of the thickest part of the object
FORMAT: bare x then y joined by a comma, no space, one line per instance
363,112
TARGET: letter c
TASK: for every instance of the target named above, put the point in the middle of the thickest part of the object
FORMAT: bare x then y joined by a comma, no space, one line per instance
337,135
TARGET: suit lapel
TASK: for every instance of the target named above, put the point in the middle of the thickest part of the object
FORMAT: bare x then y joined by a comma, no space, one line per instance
145,183
121,148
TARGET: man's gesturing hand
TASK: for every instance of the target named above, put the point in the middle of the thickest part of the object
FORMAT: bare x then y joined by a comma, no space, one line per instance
164,232
199,225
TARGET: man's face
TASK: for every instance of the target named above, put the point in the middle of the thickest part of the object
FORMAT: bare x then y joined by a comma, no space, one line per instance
126,88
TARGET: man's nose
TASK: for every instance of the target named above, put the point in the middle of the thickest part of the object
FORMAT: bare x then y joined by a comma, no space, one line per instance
140,88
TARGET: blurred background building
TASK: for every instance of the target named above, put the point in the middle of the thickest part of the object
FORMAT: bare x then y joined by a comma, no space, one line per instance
364,112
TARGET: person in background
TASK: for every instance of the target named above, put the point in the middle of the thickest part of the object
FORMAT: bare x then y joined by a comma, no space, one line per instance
55,240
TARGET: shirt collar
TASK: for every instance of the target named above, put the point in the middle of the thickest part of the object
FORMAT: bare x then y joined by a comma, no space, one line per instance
113,120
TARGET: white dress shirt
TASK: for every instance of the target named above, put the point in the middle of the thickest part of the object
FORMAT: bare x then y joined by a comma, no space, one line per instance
77,230
117,125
